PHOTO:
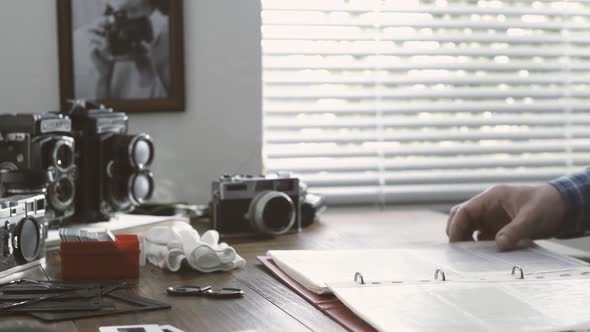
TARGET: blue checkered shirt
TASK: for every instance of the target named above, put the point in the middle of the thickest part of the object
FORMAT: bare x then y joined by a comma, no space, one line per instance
575,191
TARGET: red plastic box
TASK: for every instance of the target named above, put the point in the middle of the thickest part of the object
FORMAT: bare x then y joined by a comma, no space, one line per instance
101,260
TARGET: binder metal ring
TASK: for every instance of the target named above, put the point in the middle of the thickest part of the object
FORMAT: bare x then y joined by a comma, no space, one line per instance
517,267
358,278
442,274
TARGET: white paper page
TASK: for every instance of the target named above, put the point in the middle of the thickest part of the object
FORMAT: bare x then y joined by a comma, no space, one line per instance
480,260
494,306
315,268
405,307
470,306
566,301
474,259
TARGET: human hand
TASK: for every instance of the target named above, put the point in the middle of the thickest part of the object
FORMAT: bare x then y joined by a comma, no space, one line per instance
508,214
100,55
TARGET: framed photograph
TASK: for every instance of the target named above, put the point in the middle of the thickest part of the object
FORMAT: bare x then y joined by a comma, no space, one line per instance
125,54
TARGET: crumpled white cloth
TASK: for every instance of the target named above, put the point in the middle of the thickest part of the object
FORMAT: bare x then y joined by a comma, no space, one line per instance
168,246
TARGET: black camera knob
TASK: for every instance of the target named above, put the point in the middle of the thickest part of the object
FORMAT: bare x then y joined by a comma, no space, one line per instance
229,177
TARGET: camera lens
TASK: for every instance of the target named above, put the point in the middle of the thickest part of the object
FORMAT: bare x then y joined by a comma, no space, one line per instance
60,154
141,187
135,151
27,240
61,194
272,213
142,152
64,190
64,156
128,190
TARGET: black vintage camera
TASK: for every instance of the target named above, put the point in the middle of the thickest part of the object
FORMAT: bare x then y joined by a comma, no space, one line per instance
126,35
264,205
113,166
23,231
37,156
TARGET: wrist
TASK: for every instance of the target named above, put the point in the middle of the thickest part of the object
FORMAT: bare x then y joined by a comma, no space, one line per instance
558,214
573,202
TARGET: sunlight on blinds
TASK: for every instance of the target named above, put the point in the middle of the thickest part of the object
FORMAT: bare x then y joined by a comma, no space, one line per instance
423,101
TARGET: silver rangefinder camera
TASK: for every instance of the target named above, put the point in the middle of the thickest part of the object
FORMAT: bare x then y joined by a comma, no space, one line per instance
23,231
256,205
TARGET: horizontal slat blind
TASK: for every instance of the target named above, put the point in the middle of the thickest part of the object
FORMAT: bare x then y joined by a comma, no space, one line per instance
423,101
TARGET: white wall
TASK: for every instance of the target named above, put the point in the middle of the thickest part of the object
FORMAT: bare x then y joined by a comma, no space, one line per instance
221,129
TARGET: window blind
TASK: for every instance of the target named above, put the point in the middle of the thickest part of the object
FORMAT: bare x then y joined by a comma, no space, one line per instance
424,101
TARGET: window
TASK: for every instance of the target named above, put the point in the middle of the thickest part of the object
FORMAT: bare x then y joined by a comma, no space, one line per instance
424,101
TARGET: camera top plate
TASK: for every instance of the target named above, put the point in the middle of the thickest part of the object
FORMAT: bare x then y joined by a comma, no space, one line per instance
35,124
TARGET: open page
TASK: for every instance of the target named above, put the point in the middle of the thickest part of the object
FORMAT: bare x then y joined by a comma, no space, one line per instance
314,268
481,260
522,305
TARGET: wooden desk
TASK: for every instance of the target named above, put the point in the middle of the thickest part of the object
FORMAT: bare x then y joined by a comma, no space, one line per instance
268,305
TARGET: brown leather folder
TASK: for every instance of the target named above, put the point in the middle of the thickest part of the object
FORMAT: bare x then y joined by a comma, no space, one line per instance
326,303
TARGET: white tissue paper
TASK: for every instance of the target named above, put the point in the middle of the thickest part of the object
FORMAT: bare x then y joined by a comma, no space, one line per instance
168,246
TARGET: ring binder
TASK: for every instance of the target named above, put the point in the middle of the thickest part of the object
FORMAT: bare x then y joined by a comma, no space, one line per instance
442,274
358,278
476,268
517,267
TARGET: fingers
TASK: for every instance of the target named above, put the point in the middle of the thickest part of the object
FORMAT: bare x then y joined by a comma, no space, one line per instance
99,28
100,55
485,236
463,224
102,23
464,220
522,227
98,42
451,217
484,213
97,32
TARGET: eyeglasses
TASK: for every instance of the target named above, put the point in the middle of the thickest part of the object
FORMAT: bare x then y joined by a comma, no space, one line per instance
206,291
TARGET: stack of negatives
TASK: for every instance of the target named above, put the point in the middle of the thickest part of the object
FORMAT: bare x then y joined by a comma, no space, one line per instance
56,301
85,235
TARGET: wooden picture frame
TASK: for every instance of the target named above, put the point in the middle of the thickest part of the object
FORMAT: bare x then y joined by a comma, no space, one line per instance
162,85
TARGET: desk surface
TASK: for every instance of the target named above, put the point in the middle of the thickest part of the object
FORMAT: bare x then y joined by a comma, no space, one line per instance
268,305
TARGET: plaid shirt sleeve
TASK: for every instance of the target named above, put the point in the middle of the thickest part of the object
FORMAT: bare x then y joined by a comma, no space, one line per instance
575,191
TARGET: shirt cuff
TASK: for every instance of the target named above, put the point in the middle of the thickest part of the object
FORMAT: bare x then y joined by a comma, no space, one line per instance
575,192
